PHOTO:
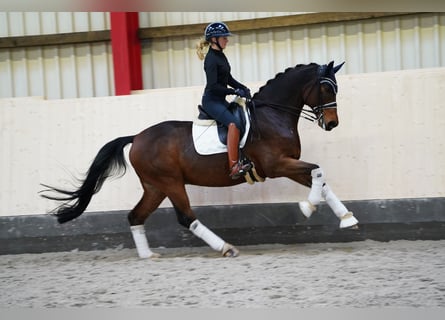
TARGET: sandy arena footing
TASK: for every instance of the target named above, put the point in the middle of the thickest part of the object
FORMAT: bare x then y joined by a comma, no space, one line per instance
356,274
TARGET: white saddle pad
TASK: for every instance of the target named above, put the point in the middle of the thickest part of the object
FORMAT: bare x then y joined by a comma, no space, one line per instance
205,136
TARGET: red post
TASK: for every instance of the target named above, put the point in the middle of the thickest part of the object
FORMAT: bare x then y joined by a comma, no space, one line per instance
126,49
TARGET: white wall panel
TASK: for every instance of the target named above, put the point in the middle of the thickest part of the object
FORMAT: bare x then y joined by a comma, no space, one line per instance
389,143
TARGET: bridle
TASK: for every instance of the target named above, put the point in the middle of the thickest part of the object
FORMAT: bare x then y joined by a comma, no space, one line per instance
317,111
314,113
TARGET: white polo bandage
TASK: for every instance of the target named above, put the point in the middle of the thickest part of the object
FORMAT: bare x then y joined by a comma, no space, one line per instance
317,184
333,202
307,208
141,242
202,232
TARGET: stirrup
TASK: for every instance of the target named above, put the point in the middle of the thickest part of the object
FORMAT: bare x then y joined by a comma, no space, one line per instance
240,169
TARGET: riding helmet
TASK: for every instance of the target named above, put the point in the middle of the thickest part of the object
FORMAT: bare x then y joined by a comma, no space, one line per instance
216,29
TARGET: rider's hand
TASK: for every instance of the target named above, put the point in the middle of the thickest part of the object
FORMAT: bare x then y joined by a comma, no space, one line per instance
242,93
247,92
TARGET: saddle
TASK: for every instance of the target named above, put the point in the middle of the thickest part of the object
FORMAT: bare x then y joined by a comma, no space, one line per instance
210,137
238,112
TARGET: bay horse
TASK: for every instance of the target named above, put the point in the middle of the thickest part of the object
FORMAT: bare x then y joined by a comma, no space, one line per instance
164,161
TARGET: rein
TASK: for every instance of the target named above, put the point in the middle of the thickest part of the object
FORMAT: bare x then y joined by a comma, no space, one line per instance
308,114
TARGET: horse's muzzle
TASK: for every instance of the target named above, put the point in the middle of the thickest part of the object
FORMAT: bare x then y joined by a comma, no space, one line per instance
327,126
331,125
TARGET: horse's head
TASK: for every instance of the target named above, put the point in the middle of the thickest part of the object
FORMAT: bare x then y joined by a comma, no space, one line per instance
321,96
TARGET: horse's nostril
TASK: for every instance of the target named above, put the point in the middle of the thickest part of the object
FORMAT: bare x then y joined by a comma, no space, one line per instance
331,125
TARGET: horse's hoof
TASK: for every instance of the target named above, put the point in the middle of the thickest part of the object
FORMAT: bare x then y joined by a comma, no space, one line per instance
348,221
230,251
306,208
151,255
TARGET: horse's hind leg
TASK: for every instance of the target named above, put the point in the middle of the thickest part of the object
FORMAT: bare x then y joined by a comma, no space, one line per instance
187,218
319,190
149,202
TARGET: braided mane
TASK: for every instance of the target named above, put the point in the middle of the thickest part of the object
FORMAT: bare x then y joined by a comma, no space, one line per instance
282,73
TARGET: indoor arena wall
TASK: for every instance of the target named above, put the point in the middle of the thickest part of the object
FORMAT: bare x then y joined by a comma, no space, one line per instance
389,143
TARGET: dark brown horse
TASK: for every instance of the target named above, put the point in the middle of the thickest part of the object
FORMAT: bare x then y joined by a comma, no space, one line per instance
165,160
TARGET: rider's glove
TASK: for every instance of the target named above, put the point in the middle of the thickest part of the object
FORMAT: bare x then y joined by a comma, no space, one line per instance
247,92
243,93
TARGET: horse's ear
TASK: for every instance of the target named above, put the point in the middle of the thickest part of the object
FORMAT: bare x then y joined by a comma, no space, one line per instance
329,67
338,67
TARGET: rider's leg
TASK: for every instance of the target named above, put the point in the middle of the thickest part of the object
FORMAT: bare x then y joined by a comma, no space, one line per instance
237,168
218,110
233,150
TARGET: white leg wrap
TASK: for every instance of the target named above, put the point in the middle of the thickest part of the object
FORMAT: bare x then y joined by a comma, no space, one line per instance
202,232
333,202
317,185
141,242
346,217
314,198
306,208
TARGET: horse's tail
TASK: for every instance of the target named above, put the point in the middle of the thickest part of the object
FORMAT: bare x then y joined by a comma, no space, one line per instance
109,161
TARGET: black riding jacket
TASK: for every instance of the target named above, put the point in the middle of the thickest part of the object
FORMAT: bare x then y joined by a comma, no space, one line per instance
217,69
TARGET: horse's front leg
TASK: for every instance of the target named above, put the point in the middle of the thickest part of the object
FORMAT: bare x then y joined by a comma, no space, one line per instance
321,190
313,176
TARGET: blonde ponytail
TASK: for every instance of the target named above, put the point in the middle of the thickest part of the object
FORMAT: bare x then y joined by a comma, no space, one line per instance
202,47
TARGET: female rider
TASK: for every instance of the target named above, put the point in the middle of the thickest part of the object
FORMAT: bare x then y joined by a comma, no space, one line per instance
218,77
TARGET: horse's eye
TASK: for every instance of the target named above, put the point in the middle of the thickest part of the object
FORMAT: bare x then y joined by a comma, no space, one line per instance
326,89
